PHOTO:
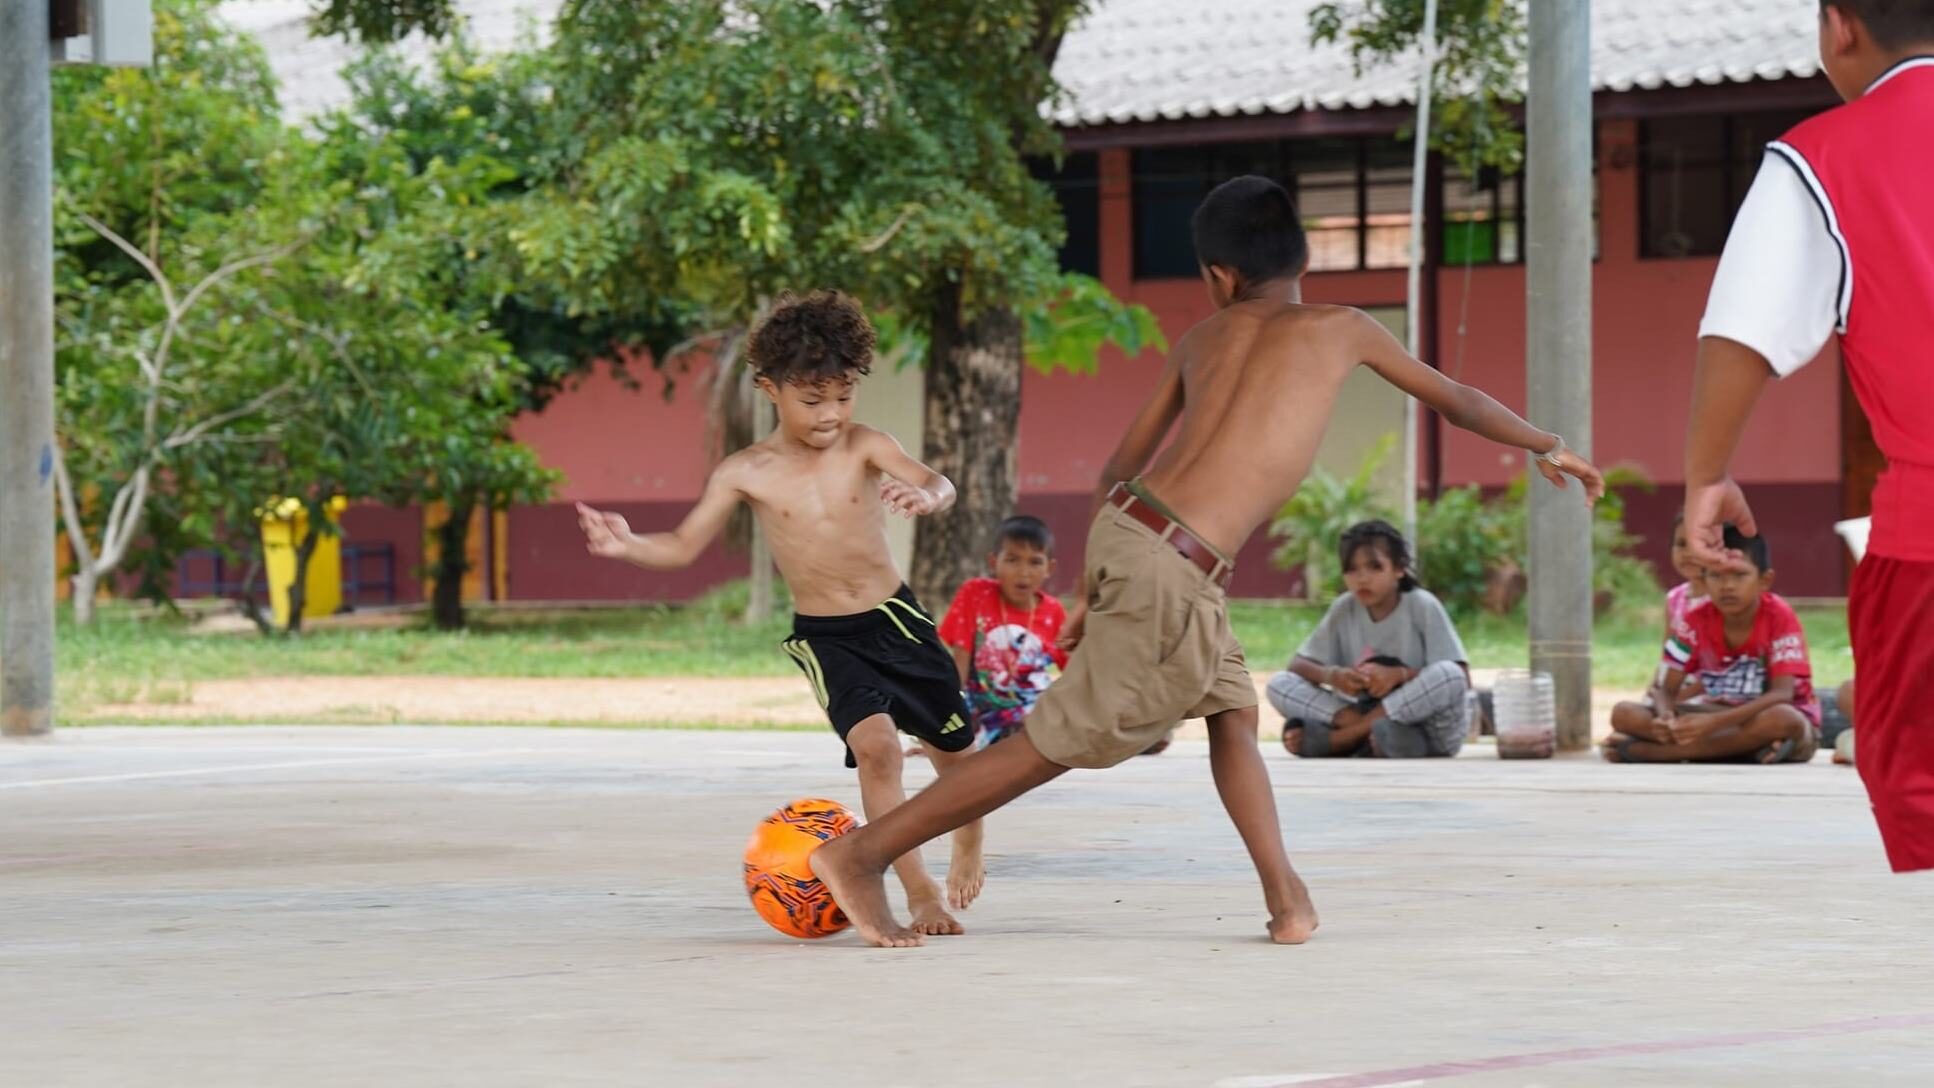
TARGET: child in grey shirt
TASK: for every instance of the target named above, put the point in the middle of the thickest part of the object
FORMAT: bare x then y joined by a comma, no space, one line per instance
1384,673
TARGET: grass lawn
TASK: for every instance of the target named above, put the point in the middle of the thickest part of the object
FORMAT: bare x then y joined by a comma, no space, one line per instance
123,657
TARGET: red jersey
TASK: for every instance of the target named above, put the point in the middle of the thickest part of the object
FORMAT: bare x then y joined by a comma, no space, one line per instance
1732,675
1867,164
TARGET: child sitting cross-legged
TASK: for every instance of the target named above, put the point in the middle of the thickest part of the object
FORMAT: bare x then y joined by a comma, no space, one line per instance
1746,650
1384,673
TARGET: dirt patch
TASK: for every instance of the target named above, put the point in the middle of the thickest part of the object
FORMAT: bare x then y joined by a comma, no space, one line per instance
468,699
694,700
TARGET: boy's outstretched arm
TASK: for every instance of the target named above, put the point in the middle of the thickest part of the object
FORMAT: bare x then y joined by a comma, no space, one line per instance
1726,385
609,536
910,487
1469,408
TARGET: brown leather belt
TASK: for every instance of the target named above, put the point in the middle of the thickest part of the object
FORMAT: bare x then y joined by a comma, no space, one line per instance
1192,548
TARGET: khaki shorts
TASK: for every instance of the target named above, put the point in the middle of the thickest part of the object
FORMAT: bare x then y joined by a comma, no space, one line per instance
1157,649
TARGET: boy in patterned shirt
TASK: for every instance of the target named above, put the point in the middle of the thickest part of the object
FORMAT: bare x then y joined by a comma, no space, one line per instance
1746,648
1005,630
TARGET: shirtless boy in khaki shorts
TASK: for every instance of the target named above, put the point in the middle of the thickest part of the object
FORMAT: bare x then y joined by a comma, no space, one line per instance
1252,387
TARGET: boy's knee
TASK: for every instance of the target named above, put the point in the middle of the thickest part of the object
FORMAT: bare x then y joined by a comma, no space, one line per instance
876,747
1279,689
1293,739
1628,712
1794,725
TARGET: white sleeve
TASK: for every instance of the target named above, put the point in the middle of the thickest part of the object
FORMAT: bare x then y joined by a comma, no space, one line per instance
1784,279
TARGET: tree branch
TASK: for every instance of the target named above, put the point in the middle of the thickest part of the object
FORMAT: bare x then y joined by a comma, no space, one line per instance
238,266
70,513
114,533
338,343
154,270
886,236
193,434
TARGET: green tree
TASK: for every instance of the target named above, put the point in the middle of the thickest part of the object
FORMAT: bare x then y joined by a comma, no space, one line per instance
291,329
719,153
162,175
1480,48
471,132
708,154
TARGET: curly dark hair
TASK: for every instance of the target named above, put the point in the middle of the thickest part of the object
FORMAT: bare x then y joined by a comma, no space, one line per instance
1378,534
817,338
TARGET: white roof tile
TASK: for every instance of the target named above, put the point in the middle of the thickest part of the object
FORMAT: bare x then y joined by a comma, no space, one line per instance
1145,60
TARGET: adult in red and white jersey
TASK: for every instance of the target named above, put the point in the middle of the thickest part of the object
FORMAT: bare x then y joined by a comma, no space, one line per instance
1836,239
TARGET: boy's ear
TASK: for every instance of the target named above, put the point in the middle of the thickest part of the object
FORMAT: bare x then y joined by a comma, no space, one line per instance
765,385
1765,580
993,562
1843,32
1226,282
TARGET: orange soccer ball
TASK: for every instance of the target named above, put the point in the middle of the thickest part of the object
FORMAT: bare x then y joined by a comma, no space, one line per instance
783,888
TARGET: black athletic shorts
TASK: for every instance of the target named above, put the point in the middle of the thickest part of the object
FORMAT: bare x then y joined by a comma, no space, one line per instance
886,661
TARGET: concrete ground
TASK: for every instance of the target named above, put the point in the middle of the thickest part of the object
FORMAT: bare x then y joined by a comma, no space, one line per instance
481,906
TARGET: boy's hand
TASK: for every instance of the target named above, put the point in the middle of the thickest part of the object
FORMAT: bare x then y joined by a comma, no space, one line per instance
1688,728
1380,680
1708,510
1347,681
606,535
1570,464
907,499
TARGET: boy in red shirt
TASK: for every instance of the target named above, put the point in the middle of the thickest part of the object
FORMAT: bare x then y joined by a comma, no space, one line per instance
1745,647
1835,243
1005,630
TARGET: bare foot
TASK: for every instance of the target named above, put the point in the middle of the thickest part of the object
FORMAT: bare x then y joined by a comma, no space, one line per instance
966,874
930,918
862,896
1297,922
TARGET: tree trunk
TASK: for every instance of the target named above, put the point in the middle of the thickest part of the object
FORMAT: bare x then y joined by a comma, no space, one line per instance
452,563
973,414
251,607
83,582
299,589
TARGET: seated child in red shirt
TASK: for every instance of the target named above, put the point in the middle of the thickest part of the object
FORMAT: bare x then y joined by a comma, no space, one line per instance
1745,647
1004,630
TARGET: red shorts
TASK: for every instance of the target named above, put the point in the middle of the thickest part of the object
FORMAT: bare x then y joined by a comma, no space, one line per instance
1889,614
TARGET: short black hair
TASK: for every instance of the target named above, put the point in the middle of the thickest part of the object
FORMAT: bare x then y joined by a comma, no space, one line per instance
808,340
1378,533
1250,225
1754,548
1895,24
1025,529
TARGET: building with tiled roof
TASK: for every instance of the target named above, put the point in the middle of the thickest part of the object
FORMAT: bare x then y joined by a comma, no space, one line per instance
1164,99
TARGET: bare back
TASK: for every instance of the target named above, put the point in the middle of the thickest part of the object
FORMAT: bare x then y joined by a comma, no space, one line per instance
1258,381
823,520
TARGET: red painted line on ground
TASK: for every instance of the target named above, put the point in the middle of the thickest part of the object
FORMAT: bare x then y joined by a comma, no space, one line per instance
1444,1070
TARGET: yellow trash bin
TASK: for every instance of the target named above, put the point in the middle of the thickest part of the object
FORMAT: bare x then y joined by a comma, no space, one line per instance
284,524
